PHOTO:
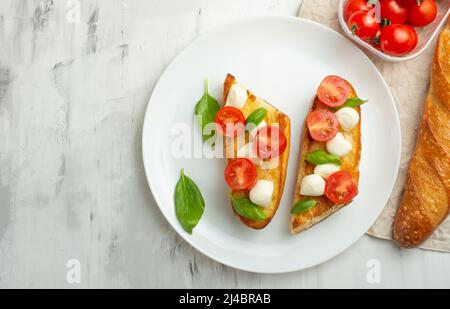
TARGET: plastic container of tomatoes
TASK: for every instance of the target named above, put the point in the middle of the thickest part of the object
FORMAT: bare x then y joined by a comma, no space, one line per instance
426,34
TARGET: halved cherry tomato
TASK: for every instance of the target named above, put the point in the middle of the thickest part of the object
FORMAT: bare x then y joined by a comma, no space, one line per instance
241,174
364,24
351,6
270,142
398,40
421,12
230,121
340,187
322,125
394,10
333,91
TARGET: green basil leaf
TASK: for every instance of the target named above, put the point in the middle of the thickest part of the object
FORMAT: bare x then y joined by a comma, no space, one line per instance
303,206
257,116
206,109
319,157
247,209
353,102
189,203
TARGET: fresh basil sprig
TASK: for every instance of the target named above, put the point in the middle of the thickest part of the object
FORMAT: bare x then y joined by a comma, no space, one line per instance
319,157
206,109
247,209
189,203
303,206
257,116
353,102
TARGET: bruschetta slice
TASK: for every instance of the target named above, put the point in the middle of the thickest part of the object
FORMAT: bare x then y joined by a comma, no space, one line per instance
255,176
328,170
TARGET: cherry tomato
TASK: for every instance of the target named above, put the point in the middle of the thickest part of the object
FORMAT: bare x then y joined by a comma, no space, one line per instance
340,187
351,6
364,24
398,40
241,174
333,91
270,142
421,12
230,121
322,125
394,10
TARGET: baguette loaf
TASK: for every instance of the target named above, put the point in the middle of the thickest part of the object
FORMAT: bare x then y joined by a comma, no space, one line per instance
425,202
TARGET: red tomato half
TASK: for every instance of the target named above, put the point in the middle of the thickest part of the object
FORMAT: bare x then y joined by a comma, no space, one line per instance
421,13
364,24
230,121
394,10
322,125
340,187
270,142
240,174
398,40
333,91
351,6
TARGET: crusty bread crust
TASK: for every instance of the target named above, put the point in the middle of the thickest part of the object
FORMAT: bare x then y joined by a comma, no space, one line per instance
426,197
350,163
277,175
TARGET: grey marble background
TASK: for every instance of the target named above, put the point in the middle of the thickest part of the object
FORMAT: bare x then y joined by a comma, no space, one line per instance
75,79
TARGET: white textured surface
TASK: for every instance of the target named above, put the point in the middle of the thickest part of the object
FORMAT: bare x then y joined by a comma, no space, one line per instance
72,99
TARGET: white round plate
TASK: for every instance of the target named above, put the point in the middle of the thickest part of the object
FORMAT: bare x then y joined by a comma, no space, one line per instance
282,60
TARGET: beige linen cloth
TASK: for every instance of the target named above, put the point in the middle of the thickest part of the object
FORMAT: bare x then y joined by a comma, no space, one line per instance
409,83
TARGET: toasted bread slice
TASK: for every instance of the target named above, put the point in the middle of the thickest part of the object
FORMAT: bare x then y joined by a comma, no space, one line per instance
350,163
278,174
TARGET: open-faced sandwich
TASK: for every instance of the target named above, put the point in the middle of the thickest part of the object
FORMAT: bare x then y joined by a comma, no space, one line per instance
257,141
328,171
